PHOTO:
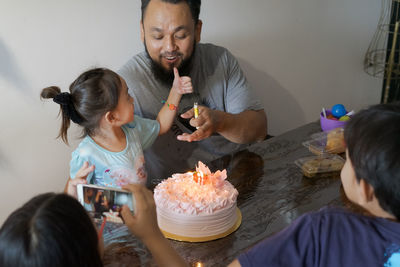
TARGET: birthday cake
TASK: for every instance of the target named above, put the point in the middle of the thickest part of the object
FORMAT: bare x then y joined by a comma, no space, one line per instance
112,216
197,206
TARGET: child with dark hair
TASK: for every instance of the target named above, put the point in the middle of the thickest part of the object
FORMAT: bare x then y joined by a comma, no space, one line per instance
111,153
55,230
335,237
49,230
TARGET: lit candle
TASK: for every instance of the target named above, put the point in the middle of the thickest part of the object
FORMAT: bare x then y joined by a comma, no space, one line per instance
198,177
196,111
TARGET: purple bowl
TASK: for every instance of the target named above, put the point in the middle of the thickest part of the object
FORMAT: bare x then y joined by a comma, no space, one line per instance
328,124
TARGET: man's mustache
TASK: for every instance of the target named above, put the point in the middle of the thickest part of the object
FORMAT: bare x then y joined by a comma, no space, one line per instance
171,54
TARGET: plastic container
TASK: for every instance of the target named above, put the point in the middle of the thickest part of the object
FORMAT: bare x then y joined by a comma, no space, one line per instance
329,124
327,142
320,166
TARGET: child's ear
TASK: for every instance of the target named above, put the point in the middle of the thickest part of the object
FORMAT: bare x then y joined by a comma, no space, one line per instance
109,117
366,192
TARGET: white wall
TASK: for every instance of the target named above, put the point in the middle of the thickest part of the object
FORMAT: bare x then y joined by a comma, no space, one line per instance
300,55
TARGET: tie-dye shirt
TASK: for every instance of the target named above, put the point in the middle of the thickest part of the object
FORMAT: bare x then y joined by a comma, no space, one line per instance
331,237
114,169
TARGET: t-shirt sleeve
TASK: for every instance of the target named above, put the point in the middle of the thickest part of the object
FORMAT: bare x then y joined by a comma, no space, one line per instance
146,129
239,95
76,163
293,246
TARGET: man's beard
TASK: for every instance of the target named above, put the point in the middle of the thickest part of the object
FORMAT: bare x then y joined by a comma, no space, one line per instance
167,76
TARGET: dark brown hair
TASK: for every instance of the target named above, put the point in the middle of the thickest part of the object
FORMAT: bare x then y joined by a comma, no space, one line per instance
49,230
92,94
372,137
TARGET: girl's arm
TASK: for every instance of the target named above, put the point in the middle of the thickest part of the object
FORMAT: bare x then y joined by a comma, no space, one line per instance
180,86
235,263
143,224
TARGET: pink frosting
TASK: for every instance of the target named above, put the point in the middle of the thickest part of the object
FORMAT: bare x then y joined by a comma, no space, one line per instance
182,194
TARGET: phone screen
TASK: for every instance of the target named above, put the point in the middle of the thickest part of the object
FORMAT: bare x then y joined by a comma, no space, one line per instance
101,201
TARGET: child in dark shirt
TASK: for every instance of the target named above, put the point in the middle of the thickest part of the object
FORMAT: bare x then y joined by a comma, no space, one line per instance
334,237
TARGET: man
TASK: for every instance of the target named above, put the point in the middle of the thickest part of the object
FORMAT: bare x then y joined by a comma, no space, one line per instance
229,116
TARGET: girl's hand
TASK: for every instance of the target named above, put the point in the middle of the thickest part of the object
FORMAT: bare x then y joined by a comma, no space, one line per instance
80,178
144,226
143,223
181,85
84,171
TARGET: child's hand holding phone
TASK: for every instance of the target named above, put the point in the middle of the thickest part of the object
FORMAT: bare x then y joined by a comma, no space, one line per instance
105,201
80,178
143,223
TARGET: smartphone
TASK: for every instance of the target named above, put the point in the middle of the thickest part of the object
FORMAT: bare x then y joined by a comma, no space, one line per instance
186,124
104,201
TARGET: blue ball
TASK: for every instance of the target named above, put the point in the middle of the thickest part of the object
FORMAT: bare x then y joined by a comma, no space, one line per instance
338,110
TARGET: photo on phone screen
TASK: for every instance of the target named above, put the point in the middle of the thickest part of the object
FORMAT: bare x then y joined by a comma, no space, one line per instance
102,201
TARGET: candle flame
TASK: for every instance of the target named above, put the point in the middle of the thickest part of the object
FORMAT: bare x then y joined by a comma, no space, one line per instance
199,177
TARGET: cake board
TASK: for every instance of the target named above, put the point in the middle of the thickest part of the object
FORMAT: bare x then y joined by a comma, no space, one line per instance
206,238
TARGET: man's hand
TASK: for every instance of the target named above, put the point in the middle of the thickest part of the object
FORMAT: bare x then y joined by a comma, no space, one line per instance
207,123
242,128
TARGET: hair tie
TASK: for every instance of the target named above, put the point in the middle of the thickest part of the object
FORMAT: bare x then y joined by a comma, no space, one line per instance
65,100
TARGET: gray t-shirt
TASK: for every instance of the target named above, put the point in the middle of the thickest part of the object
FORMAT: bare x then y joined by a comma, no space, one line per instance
218,83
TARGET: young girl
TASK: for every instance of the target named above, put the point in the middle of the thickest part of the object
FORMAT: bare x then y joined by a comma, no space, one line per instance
114,139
